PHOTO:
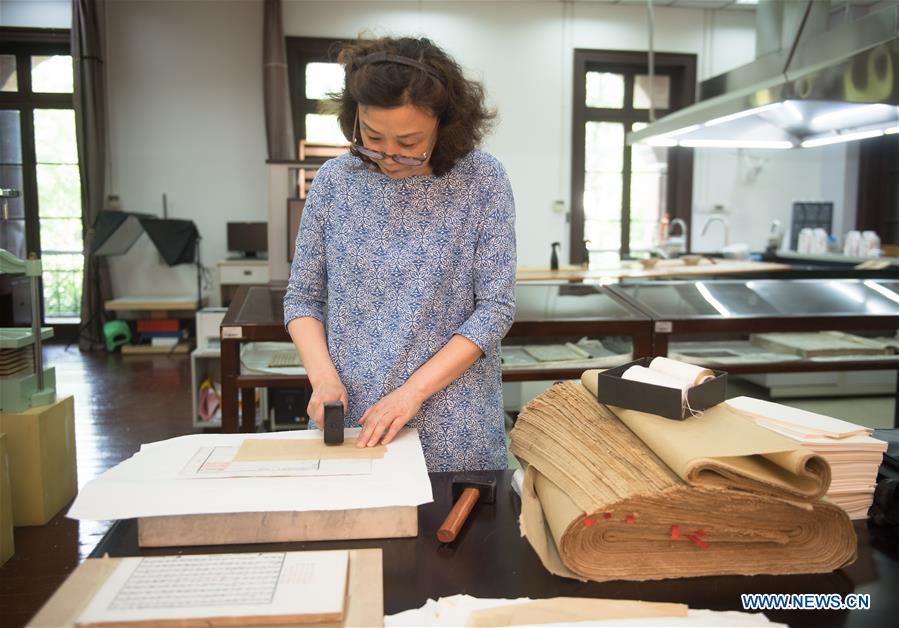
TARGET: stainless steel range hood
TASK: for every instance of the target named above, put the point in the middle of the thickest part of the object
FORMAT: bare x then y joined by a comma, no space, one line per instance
825,87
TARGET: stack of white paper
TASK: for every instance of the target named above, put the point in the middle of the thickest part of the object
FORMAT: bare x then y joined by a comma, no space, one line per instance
197,474
854,456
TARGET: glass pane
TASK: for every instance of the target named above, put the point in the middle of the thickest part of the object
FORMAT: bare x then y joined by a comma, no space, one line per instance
12,237
605,90
11,178
59,192
323,129
54,136
10,137
9,81
648,196
61,235
644,235
62,284
52,74
603,234
323,79
602,196
661,92
603,147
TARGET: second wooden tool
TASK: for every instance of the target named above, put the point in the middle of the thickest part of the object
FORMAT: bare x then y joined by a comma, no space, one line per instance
467,491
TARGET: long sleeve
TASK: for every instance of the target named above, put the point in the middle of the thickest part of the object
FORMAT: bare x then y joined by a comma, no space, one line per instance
494,271
307,289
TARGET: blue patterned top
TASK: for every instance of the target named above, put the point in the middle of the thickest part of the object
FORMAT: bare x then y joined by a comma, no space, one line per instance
394,268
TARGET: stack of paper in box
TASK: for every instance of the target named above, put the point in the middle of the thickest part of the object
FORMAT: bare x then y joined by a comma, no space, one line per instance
849,449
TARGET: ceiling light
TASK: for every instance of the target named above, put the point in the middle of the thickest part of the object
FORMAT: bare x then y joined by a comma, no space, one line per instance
850,115
736,144
794,110
660,142
686,129
741,114
841,137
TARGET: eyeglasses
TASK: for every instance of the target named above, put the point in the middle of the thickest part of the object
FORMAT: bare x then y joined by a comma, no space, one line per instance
377,155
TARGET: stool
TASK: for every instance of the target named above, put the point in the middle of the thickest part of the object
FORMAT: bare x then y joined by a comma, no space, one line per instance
116,333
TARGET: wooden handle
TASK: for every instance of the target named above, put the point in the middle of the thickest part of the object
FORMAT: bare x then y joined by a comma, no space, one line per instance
457,516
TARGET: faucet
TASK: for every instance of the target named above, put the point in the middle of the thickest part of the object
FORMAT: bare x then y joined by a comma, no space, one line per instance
683,231
712,219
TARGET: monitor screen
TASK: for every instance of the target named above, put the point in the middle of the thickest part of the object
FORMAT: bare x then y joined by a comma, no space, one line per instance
248,238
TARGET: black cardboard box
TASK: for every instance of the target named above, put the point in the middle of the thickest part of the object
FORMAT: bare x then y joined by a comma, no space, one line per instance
666,402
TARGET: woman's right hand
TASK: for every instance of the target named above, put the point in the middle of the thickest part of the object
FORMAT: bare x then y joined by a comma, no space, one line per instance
328,390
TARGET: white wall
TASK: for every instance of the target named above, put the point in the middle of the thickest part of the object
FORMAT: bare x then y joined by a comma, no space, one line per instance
186,111
185,120
751,188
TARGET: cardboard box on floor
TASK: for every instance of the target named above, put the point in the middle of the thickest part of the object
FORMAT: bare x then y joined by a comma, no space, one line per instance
41,447
6,539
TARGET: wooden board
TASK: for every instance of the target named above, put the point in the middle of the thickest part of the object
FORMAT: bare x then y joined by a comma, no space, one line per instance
819,344
277,527
364,604
151,303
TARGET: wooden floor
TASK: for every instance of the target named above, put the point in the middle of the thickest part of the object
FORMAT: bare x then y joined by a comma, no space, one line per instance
119,404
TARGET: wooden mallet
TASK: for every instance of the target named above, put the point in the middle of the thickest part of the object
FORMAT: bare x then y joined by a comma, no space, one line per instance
467,491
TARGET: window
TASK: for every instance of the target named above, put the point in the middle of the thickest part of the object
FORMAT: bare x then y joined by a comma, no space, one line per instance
39,158
619,193
314,75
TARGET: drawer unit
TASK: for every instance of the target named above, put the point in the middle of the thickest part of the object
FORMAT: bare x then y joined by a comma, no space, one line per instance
240,272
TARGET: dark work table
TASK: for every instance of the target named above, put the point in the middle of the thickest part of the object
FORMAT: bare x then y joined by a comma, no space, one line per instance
490,559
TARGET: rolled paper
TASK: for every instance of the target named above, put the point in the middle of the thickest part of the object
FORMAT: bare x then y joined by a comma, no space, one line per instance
755,508
652,376
682,371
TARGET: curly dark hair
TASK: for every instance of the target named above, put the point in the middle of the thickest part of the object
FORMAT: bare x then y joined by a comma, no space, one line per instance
458,103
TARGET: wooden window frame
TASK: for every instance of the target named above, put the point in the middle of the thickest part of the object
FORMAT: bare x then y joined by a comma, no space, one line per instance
300,51
24,43
682,69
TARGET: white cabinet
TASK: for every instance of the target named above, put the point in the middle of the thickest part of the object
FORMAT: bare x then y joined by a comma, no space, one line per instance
206,364
233,273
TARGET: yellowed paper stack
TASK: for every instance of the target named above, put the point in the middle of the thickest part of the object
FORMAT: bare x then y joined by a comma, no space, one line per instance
853,455
612,494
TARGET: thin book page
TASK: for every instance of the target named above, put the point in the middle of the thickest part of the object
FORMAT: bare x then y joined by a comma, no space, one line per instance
224,462
213,589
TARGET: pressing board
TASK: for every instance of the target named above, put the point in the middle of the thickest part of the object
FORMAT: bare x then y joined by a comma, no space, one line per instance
363,603
237,489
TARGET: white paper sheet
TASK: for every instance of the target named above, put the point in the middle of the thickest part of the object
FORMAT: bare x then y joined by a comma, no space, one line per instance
148,483
456,609
218,462
221,586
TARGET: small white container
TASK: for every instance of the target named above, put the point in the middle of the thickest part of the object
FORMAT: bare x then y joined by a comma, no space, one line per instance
852,244
870,244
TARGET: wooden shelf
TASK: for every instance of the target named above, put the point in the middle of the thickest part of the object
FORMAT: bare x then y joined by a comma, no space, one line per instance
152,303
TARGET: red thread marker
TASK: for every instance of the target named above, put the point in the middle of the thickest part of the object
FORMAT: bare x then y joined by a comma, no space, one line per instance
606,515
630,519
588,521
675,532
698,541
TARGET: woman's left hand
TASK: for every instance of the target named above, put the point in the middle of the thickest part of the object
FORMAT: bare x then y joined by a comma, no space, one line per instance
388,416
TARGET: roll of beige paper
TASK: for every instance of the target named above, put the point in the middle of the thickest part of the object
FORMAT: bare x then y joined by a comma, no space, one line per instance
682,371
654,376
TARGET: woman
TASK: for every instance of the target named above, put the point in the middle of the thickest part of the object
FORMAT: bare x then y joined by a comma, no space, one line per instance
403,280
